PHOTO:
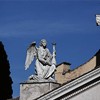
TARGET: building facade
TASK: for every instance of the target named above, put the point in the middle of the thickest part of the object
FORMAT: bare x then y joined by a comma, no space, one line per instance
82,83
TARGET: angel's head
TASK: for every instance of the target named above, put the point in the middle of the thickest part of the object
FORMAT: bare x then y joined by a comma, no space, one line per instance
43,43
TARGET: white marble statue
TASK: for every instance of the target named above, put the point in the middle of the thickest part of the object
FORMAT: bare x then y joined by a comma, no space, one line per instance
45,61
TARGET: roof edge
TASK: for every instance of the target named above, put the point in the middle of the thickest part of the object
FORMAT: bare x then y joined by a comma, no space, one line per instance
65,63
68,87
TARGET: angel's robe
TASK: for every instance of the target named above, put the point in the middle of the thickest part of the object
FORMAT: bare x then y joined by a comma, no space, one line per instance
44,66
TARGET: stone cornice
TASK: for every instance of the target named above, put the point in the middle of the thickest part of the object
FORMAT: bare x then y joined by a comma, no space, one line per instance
79,91
65,63
68,87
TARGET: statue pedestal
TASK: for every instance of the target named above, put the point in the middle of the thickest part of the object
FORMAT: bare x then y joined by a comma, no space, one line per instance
33,90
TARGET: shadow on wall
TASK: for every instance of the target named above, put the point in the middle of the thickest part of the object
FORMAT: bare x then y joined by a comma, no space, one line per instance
5,79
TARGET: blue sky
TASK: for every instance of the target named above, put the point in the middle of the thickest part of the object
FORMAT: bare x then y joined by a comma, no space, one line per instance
69,23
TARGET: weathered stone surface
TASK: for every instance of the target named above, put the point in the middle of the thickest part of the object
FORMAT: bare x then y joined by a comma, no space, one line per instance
33,90
68,76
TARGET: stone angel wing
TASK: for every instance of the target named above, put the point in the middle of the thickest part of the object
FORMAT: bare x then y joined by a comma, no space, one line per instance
31,53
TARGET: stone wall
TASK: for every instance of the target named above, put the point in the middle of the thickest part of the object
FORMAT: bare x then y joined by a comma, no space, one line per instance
70,75
33,90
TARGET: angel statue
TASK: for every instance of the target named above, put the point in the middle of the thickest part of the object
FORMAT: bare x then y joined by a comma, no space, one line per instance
45,61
